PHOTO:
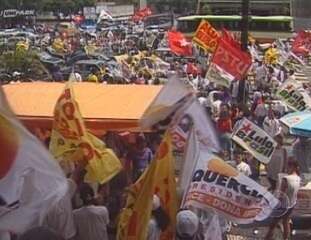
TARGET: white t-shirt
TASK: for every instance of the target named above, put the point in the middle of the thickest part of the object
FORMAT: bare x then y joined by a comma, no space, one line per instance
271,126
293,183
91,223
261,73
244,168
261,110
60,217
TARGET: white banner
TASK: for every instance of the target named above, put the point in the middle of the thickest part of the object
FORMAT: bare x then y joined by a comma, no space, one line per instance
176,106
31,181
294,96
219,76
217,185
254,140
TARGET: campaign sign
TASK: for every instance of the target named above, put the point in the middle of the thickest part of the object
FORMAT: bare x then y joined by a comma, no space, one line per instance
217,185
206,36
294,96
255,140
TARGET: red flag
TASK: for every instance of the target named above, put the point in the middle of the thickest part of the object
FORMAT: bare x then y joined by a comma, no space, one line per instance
231,58
302,43
179,44
228,37
141,14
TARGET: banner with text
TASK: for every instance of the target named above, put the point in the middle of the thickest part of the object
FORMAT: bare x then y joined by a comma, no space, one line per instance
254,140
206,36
217,185
217,75
294,96
231,59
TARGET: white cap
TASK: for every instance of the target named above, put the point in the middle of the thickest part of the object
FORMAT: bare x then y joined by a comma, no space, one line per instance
156,203
187,223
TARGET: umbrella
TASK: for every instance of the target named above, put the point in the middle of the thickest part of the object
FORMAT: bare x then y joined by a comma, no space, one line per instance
298,123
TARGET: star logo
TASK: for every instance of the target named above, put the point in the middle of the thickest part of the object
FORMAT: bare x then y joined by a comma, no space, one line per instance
183,43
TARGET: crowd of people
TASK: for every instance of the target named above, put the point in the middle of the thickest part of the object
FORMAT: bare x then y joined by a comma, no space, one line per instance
92,211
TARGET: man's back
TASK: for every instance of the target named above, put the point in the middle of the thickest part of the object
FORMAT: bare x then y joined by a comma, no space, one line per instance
91,223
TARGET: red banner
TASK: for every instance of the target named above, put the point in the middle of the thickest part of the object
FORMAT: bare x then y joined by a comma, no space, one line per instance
231,59
141,14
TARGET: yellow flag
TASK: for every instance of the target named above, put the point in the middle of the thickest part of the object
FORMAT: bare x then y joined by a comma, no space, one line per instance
271,56
157,179
69,134
165,189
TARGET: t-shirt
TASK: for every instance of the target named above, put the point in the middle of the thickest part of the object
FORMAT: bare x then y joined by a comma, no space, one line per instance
91,223
224,125
92,78
141,159
271,126
244,168
60,217
276,164
293,185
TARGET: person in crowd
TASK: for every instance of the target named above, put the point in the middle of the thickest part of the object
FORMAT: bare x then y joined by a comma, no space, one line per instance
224,126
302,152
187,225
241,165
277,163
260,111
289,187
234,90
282,75
91,221
271,125
60,217
93,76
254,165
140,157
260,75
291,75
159,220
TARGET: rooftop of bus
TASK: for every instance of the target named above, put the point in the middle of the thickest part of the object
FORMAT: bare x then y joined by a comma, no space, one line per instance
237,18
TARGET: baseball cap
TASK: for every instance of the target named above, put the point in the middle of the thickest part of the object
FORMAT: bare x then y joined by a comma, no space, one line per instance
187,223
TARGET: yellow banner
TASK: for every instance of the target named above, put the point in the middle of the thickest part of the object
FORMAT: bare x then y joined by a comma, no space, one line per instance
157,179
206,36
69,134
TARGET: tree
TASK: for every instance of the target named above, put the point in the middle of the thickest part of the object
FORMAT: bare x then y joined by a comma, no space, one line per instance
67,6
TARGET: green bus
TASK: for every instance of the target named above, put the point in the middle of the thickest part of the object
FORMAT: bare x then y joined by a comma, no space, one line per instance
262,28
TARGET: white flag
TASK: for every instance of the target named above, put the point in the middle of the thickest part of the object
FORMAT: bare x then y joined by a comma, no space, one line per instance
213,231
177,103
217,185
31,181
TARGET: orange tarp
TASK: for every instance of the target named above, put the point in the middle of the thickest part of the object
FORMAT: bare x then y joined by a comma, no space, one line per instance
104,107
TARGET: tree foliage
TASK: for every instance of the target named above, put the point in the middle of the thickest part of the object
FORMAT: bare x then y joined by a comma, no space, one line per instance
65,6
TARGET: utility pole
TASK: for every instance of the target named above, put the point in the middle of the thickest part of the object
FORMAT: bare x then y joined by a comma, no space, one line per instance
242,98
198,7
245,24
